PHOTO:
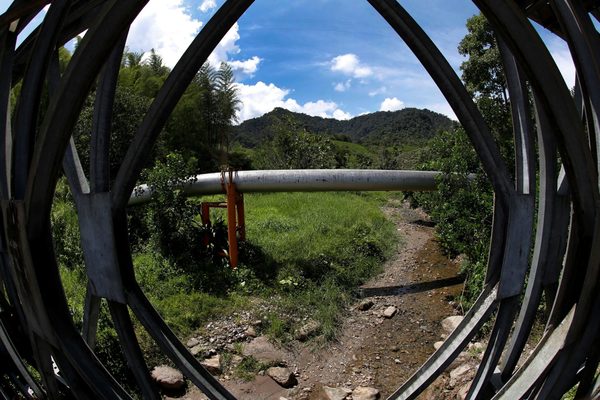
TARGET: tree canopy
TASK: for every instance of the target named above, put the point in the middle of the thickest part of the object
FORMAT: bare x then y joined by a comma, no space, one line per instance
198,128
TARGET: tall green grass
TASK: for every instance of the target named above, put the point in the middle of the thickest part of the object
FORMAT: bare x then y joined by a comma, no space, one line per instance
340,236
322,246
305,254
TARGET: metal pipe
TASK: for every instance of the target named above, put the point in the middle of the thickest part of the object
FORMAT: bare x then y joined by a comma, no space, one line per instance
303,180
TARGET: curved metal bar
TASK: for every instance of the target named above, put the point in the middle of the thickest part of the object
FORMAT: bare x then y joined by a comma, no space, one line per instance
542,72
81,16
450,85
26,112
512,277
521,120
20,9
8,41
101,127
547,253
30,274
537,365
60,119
170,93
584,44
19,364
169,343
469,326
132,352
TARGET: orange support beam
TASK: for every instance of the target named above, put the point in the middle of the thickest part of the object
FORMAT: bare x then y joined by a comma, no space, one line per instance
241,222
235,208
231,223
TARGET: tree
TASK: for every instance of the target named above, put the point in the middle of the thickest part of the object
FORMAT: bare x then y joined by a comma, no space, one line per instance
227,104
201,123
292,147
155,62
482,71
462,207
132,59
128,111
483,75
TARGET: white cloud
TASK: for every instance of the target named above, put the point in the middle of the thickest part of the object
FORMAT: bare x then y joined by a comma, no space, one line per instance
343,86
165,26
168,27
339,114
349,64
248,67
261,98
319,108
226,47
391,104
207,5
378,91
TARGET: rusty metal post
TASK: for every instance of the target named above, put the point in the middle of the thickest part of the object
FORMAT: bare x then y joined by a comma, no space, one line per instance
205,213
241,218
205,217
231,222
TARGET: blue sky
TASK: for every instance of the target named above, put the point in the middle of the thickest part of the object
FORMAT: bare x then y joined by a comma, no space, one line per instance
332,58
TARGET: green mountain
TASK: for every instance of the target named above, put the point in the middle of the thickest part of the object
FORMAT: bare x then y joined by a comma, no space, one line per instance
409,126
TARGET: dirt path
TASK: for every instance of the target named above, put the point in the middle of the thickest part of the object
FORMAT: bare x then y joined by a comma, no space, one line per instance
373,350
383,352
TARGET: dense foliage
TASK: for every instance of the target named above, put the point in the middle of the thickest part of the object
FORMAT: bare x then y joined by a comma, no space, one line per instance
198,128
293,147
384,128
462,207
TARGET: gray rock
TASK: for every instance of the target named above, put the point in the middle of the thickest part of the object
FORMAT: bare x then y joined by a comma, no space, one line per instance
390,312
168,377
365,305
477,347
449,324
311,328
197,349
335,393
263,350
283,376
437,345
192,342
213,365
365,393
250,332
459,374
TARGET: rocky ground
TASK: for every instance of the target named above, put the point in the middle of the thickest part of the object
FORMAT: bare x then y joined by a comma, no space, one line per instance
385,336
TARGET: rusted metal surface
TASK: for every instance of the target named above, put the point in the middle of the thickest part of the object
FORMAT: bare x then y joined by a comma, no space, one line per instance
555,218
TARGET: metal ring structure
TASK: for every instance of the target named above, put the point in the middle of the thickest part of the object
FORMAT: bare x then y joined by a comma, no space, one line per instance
545,234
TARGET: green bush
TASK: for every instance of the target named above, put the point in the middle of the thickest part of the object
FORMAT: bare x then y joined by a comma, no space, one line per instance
65,228
171,223
461,207
294,147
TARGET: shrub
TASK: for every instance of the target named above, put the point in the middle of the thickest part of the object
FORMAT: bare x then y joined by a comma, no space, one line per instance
462,205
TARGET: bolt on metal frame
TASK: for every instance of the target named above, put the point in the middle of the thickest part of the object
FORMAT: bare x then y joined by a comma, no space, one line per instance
35,325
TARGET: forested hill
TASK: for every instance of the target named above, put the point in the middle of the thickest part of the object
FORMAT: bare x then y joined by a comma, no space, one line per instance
406,126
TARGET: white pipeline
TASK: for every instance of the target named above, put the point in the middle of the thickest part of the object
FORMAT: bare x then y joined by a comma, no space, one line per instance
303,180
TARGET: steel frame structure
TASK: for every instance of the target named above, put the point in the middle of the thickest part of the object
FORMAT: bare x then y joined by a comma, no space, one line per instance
545,236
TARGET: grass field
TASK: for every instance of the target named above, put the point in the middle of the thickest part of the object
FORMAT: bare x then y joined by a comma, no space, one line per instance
305,255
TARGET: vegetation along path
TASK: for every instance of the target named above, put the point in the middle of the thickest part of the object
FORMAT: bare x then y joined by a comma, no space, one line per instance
385,336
